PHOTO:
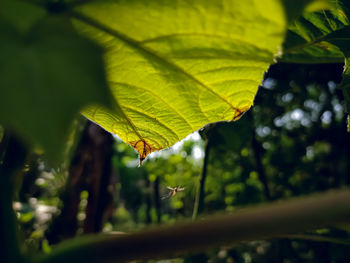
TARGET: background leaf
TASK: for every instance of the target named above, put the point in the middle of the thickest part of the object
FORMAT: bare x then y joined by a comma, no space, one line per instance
341,38
306,38
46,78
20,14
322,37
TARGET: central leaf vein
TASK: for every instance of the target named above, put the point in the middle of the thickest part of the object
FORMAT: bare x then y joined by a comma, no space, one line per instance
148,52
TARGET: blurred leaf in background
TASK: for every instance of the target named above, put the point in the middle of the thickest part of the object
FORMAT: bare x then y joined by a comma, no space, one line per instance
47,75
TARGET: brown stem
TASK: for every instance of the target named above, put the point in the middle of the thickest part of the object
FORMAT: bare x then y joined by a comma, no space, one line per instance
257,223
98,177
89,170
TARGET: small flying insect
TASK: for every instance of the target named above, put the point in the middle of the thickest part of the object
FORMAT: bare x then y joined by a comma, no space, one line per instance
173,191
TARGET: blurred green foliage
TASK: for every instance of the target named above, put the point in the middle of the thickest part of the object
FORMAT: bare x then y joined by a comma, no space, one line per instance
296,132
293,142
46,76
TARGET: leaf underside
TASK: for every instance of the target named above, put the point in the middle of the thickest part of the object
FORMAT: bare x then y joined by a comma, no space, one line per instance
172,66
175,66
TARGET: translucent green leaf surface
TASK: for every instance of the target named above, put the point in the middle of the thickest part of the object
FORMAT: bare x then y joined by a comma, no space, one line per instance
46,77
174,66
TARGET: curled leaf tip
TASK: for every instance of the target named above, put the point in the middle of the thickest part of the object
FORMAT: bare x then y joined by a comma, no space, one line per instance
143,148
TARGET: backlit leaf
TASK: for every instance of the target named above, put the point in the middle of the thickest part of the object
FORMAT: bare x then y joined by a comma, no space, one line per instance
174,66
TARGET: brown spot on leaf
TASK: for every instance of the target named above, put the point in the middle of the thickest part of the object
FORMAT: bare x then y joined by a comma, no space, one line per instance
143,148
239,112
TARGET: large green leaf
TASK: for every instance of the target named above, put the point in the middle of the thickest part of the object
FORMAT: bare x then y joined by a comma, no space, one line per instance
46,77
174,66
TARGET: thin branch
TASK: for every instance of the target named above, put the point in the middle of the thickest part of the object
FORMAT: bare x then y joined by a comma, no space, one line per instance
257,149
257,223
199,202
157,203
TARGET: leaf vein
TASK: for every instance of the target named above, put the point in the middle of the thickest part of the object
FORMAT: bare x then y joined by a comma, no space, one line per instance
158,97
236,38
222,81
129,121
229,67
135,44
153,119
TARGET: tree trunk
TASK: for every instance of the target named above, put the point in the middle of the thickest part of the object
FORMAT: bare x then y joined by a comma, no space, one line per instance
89,170
99,177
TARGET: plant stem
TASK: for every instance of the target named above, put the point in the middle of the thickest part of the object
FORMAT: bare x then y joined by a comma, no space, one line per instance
259,166
199,202
157,199
257,223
